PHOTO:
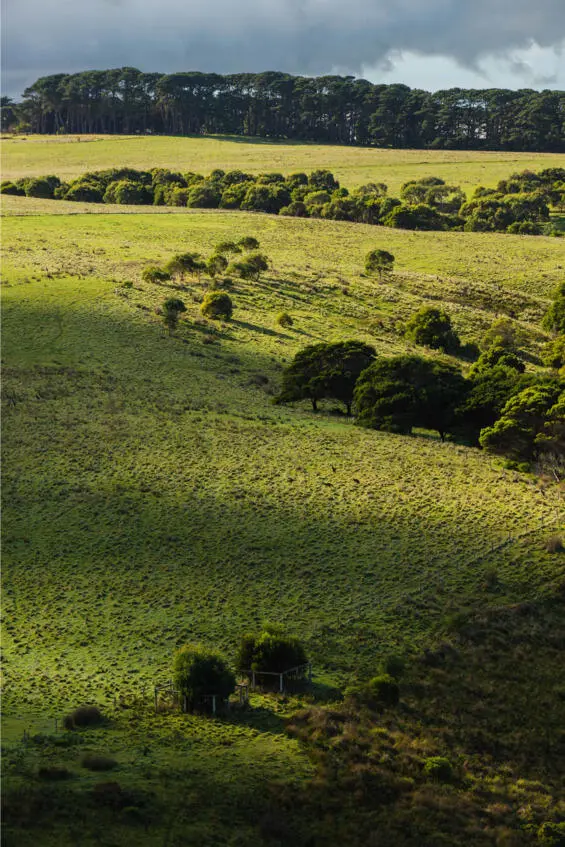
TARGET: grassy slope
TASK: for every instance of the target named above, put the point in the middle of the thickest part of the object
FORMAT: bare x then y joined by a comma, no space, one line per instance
153,494
67,157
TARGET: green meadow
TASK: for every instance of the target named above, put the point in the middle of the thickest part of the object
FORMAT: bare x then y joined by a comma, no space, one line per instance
154,495
68,156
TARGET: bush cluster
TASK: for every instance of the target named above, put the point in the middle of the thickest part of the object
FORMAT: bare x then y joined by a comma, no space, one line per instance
520,204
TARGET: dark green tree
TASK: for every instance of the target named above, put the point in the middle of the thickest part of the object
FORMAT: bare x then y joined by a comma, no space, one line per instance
402,392
517,432
380,262
431,327
198,672
326,371
172,310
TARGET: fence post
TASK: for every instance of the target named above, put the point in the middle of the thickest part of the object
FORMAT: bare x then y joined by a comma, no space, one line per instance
213,704
281,687
253,679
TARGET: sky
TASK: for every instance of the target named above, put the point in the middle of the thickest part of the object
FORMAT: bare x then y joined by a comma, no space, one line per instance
430,44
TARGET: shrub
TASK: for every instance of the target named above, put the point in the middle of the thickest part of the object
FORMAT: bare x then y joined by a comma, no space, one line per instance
155,274
94,762
198,672
552,834
323,180
272,650
43,186
127,192
383,690
296,209
432,327
227,247
83,191
83,716
284,319
205,195
8,187
438,768
217,304
553,353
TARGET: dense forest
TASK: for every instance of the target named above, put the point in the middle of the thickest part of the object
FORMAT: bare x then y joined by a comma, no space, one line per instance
336,109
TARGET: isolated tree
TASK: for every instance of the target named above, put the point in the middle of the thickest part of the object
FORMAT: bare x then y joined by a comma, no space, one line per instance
431,327
380,262
402,392
198,672
172,310
326,371
217,305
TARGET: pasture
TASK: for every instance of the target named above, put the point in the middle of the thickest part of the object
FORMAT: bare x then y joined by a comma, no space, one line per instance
69,156
153,494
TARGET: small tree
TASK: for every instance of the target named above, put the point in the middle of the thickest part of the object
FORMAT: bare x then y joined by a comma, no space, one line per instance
216,305
250,267
172,309
185,263
380,262
216,264
227,247
555,317
432,328
198,672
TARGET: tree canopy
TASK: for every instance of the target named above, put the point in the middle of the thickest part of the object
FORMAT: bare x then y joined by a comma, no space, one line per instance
326,371
331,108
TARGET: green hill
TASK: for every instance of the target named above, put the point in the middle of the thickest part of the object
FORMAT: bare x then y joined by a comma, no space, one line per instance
153,495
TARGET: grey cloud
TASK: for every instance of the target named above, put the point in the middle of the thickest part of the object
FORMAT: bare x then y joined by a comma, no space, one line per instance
298,36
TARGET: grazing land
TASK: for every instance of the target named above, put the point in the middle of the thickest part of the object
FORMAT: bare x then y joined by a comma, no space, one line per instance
68,157
154,495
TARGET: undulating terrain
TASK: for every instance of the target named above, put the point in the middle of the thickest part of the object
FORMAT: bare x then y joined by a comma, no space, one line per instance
154,495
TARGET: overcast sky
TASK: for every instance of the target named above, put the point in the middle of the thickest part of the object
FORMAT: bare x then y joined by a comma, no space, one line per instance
427,44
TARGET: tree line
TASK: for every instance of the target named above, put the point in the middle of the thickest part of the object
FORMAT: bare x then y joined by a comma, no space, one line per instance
336,109
520,204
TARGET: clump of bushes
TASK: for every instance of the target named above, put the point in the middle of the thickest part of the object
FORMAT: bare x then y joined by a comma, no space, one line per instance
271,650
380,692
217,305
431,327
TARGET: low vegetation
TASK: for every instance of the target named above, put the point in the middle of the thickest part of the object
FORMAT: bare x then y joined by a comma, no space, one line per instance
520,205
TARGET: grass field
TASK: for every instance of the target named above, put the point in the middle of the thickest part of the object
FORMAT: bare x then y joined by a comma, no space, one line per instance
153,494
67,157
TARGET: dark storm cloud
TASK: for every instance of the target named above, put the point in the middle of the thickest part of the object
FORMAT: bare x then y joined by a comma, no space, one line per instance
299,36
